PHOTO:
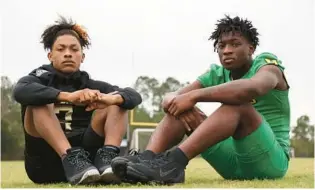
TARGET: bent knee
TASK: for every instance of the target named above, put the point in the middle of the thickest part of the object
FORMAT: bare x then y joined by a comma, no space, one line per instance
248,114
110,110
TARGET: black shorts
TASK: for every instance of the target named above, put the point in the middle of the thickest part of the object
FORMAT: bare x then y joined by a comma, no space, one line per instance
43,164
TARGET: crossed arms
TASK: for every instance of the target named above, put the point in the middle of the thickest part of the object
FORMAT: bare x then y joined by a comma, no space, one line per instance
181,104
30,91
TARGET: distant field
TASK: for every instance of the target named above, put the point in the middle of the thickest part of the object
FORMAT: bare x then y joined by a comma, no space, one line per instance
198,175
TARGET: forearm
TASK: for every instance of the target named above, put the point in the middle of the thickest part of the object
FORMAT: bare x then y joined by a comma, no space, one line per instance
235,92
129,98
34,94
63,96
195,85
118,99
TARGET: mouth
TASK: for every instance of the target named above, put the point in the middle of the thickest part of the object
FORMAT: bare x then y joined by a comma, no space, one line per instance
228,60
68,63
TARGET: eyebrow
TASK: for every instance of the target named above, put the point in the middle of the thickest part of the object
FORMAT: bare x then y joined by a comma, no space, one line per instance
229,40
63,45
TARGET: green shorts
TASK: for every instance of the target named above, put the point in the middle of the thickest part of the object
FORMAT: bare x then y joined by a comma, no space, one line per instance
258,155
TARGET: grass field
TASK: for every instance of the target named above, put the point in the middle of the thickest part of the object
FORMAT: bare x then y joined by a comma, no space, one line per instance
198,175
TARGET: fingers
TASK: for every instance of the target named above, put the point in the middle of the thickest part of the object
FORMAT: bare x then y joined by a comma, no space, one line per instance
182,119
167,101
199,113
190,119
91,107
88,95
172,108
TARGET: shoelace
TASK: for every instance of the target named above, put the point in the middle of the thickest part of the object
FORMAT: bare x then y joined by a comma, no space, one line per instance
80,159
107,156
133,152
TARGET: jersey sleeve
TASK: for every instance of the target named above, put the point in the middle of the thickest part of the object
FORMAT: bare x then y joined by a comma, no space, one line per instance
31,90
267,59
213,76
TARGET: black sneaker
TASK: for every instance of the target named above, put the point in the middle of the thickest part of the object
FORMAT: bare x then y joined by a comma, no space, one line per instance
163,169
119,164
78,168
102,161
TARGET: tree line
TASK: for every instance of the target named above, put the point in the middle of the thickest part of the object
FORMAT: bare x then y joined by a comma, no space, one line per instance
152,91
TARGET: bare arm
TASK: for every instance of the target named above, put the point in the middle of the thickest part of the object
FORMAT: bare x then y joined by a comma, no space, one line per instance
242,90
170,96
193,86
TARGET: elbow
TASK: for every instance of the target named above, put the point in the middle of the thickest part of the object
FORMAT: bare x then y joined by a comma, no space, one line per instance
131,99
18,93
248,94
138,99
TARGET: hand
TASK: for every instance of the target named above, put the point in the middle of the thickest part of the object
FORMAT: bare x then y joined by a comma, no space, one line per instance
105,100
167,101
192,118
83,97
181,103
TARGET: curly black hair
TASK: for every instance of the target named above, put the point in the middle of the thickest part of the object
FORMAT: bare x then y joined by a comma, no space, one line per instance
236,24
62,27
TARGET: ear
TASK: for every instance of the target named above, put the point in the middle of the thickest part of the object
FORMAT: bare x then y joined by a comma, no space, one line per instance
251,50
83,57
49,56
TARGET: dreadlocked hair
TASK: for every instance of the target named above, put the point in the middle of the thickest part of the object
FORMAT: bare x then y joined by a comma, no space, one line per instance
62,27
235,25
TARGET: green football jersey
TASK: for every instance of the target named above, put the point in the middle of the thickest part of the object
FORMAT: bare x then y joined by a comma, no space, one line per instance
273,106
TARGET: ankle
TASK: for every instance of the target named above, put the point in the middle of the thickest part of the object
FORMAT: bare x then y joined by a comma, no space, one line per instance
112,148
179,156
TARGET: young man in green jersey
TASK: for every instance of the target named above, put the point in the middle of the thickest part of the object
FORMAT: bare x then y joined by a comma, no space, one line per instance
247,137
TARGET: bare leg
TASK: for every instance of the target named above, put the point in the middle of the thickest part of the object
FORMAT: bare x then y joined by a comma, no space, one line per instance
168,133
111,123
228,120
41,121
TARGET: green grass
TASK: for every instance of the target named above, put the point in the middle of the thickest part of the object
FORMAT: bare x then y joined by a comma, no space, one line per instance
198,175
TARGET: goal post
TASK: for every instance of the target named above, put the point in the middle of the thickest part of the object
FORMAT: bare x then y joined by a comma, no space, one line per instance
140,138
138,132
140,124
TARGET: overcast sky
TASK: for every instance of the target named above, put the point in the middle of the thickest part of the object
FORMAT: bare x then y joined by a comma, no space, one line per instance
162,38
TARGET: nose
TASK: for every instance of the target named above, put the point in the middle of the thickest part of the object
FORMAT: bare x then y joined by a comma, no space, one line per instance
67,54
227,50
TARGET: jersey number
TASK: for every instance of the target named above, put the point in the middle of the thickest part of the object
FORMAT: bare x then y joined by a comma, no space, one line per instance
68,115
272,61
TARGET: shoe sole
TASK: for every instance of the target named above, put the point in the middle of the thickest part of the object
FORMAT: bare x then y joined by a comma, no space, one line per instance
136,176
89,176
119,167
108,176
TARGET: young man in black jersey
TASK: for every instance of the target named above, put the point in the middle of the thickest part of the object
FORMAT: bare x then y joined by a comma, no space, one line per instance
64,139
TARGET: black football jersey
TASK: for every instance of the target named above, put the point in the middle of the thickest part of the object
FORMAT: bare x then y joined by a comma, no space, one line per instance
43,85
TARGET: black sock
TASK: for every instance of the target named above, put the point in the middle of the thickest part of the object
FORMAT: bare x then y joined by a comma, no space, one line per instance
179,156
112,148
